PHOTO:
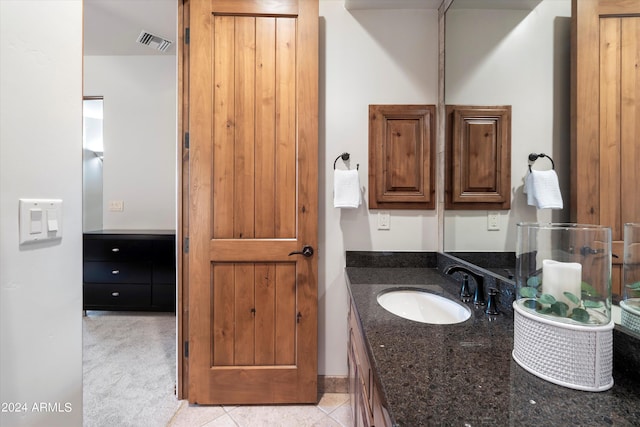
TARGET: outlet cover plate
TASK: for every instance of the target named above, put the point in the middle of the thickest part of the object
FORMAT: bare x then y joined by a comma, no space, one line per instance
493,221
384,221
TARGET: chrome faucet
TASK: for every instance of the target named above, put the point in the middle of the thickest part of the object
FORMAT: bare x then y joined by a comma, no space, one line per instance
478,296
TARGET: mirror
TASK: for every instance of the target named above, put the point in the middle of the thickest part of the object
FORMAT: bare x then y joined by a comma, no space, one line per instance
510,52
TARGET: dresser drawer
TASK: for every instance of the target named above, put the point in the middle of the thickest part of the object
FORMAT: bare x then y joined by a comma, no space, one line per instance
164,251
116,295
129,270
117,272
163,297
164,273
117,249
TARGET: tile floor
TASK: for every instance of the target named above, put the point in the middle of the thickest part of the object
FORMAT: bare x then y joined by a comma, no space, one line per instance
333,410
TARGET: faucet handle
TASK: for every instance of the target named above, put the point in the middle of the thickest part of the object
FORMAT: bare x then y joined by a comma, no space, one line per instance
465,294
492,306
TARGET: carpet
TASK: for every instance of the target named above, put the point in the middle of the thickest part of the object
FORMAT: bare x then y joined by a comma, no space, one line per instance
129,369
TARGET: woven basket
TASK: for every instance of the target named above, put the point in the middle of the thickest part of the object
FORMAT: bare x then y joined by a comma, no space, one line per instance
573,356
629,317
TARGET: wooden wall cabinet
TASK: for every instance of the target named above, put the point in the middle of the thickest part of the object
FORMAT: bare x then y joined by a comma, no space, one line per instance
401,156
478,157
366,402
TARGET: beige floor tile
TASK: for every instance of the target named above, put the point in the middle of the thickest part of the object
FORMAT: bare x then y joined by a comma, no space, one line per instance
223,421
196,416
329,402
343,415
277,416
326,421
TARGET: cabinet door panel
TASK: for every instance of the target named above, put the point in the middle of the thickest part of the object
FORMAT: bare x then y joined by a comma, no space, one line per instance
478,157
401,156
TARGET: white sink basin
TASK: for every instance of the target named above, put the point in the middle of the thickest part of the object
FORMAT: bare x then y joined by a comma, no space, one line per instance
421,306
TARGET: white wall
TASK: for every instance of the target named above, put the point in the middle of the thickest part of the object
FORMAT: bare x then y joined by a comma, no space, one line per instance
140,149
41,157
518,58
366,57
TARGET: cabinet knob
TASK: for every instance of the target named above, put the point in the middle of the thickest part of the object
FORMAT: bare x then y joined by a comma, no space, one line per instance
115,250
115,294
115,271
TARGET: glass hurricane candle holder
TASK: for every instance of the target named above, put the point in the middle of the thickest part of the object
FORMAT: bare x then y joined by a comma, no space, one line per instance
630,304
563,272
563,331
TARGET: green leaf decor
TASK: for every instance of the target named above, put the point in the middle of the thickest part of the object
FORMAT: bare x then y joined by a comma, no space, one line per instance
528,292
580,315
547,304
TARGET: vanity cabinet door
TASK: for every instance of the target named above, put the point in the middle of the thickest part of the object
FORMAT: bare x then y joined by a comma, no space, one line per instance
360,404
380,414
366,402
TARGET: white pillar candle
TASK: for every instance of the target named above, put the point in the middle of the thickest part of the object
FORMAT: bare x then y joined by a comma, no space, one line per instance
559,277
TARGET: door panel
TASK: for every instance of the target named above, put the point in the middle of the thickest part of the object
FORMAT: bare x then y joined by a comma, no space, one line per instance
630,119
253,192
605,136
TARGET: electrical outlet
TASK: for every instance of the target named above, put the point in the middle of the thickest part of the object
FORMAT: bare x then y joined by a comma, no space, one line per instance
116,205
384,221
493,221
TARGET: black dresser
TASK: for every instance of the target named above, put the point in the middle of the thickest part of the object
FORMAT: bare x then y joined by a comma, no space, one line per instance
129,270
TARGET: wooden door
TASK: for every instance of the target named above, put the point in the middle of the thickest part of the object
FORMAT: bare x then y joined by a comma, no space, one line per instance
605,140
253,201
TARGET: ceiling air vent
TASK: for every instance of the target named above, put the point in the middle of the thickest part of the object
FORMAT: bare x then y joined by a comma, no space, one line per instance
154,42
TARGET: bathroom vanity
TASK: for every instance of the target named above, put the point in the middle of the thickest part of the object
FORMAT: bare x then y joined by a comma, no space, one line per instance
409,373
129,270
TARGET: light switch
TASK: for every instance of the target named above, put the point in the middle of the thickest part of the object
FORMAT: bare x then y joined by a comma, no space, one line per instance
39,220
35,221
52,220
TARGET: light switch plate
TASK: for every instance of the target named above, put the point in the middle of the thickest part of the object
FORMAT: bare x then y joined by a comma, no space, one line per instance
39,220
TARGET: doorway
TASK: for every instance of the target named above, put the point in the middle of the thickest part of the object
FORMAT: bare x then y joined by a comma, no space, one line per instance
130,57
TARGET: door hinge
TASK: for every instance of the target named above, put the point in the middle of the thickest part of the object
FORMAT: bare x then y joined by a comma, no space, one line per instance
186,245
186,35
186,140
186,349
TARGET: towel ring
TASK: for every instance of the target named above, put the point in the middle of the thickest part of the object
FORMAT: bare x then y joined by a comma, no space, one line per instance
345,156
534,156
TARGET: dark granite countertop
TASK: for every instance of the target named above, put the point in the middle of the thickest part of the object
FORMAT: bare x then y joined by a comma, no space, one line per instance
463,374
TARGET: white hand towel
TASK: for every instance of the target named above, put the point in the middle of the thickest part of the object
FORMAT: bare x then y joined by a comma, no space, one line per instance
346,188
543,190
